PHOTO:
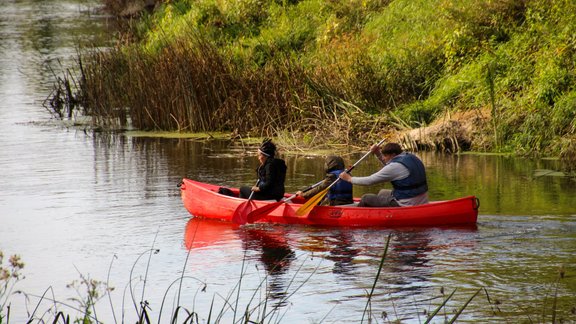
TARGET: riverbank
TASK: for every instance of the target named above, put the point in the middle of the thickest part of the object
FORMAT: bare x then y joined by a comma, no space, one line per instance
447,76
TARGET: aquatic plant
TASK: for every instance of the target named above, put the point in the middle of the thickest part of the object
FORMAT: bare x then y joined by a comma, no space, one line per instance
259,307
10,274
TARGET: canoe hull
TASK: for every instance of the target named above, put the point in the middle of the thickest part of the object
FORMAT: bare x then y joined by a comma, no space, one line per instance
202,200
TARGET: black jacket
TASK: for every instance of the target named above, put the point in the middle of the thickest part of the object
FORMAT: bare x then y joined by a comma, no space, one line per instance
272,175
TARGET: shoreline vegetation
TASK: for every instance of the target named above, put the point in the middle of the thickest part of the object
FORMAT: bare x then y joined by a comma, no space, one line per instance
447,75
261,307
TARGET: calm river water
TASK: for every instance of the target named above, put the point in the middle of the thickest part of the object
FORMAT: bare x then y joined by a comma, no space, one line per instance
77,204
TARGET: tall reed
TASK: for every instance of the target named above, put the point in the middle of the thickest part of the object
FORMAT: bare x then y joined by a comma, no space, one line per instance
193,87
91,291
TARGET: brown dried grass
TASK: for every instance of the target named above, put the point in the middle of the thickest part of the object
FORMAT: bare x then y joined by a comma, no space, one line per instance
192,87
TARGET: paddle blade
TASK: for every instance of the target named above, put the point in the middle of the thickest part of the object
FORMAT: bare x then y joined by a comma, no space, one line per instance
240,215
307,207
258,213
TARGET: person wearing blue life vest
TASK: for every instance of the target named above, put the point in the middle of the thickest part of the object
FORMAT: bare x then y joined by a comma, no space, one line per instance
341,192
406,173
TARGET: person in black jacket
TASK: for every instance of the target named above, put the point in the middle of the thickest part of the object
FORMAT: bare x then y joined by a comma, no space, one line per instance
271,175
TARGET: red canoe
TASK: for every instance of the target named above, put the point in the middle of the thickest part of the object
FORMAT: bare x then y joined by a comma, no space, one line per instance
203,200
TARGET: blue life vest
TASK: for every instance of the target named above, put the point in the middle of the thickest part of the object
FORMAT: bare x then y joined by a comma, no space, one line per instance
415,184
341,190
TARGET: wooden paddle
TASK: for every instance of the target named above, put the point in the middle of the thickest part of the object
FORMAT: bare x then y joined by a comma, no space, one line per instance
305,209
240,215
258,213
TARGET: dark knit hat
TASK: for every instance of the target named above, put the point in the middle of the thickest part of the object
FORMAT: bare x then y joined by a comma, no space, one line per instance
267,148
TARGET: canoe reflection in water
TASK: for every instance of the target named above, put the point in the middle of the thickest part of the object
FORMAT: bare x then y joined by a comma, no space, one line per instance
275,255
355,254
203,232
268,242
336,245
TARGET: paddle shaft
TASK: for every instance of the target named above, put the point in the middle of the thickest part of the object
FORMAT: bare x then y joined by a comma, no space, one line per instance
266,209
241,213
307,189
252,191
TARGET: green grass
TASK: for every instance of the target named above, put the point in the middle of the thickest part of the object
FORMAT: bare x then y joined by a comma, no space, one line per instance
267,67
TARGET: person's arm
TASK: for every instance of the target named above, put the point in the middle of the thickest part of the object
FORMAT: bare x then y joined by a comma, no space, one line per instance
375,149
390,172
325,183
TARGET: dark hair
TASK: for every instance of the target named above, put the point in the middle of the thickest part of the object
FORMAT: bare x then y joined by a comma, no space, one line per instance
267,148
392,148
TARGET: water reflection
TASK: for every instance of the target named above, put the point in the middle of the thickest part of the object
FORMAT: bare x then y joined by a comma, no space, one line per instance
276,256
270,244
343,252
201,233
410,250
340,246
38,36
407,271
504,185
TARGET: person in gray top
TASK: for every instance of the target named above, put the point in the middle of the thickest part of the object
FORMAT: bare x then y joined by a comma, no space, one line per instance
403,170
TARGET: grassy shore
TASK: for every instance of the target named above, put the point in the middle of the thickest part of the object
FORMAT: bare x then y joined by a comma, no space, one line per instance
482,76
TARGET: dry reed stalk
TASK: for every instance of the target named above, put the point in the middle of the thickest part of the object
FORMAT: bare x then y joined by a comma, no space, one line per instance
191,86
